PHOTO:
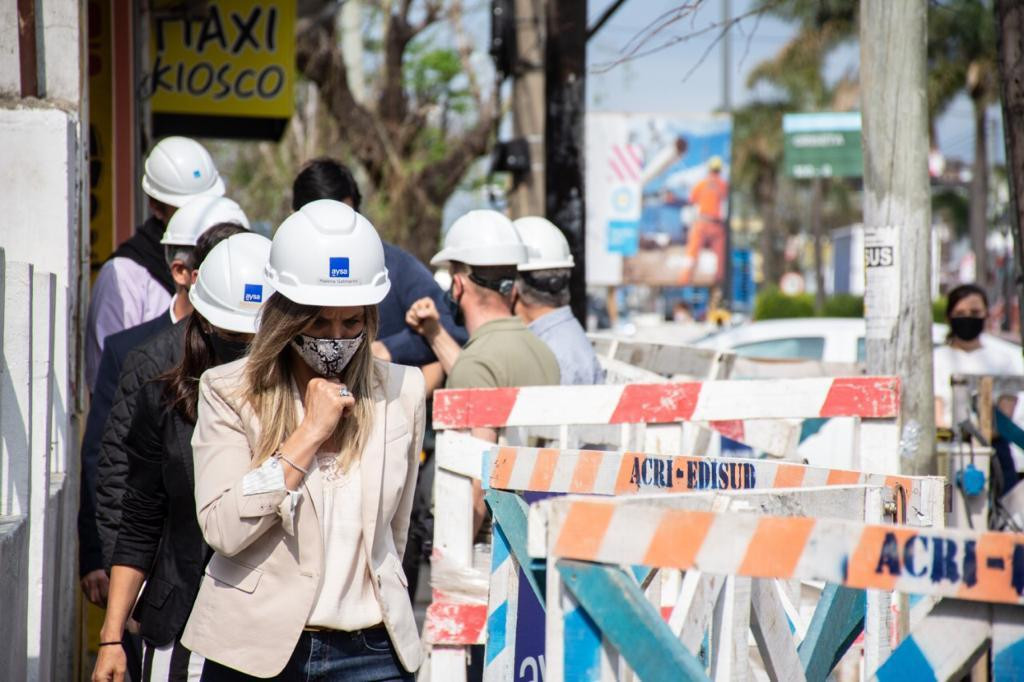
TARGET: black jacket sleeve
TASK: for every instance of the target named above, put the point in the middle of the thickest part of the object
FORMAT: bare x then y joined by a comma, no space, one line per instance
144,503
90,555
112,462
412,281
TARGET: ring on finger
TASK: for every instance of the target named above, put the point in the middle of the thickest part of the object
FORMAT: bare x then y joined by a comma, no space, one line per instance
344,392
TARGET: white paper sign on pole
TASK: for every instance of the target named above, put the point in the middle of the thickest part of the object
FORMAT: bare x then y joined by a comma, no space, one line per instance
882,280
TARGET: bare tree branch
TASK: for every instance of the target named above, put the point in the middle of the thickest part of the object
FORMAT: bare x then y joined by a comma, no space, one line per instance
635,47
320,60
465,49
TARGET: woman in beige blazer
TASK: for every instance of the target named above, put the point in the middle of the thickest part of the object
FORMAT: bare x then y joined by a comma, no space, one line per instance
306,455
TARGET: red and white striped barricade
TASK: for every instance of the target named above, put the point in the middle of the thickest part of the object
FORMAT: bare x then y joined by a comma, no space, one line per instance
513,471
648,417
775,437
976,577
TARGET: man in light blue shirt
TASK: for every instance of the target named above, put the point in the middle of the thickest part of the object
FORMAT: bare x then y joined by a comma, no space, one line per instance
543,301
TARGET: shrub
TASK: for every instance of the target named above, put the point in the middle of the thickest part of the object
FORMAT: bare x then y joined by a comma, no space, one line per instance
843,305
772,304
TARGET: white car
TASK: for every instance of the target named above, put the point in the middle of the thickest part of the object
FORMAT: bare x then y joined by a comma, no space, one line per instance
824,339
828,339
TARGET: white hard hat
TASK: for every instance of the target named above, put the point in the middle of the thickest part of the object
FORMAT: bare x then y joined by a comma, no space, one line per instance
482,238
180,169
230,290
547,246
199,215
326,254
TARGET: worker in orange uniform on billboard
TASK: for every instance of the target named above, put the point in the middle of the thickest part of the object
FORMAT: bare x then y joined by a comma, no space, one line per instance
708,229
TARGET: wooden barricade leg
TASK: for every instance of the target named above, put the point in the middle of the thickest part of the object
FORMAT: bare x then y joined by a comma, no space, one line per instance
451,622
502,608
944,646
692,613
615,603
837,621
1007,643
770,626
574,648
730,655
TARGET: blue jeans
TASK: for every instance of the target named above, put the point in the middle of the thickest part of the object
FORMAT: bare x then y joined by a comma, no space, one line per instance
330,656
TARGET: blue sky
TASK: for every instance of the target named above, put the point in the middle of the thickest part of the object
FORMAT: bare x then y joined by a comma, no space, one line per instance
656,82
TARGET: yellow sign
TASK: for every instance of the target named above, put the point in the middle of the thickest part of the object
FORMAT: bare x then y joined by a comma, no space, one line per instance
236,59
101,137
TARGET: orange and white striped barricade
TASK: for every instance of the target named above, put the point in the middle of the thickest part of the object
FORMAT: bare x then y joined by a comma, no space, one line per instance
977,577
512,472
648,417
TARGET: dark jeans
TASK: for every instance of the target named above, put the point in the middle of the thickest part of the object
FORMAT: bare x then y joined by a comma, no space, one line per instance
330,656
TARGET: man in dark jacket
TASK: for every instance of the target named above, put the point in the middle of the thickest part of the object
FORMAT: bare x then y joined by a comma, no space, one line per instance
325,178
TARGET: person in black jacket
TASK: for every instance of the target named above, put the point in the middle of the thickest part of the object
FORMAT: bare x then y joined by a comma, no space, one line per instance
159,540
103,460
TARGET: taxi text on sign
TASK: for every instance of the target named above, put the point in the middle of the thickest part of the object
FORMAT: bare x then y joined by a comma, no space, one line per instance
236,59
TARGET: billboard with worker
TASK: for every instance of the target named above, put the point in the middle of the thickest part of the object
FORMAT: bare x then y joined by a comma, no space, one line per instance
657,199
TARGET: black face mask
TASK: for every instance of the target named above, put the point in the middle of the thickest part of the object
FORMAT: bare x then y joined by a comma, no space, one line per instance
453,307
227,350
966,328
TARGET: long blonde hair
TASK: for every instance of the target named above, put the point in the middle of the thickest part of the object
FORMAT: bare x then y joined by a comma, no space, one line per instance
268,380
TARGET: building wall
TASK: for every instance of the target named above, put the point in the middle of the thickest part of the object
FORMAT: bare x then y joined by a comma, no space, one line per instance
43,240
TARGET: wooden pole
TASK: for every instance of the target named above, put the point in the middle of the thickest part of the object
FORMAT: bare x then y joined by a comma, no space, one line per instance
818,231
1010,33
527,197
566,60
897,215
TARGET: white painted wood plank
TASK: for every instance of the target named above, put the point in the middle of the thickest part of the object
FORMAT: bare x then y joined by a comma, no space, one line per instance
730,657
771,632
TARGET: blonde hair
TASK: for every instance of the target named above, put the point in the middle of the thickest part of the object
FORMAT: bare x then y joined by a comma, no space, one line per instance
268,380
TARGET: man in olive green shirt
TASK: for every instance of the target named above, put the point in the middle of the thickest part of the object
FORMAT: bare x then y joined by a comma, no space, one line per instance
482,250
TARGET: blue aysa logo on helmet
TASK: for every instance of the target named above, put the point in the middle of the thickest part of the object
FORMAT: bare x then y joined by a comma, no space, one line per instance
253,293
338,267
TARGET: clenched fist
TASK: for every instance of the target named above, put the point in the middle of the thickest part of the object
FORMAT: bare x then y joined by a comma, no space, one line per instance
423,317
325,406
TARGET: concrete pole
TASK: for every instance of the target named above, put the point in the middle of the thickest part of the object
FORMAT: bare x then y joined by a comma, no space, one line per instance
528,104
897,215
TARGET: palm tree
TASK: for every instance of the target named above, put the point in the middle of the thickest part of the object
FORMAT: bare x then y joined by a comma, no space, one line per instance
796,73
962,58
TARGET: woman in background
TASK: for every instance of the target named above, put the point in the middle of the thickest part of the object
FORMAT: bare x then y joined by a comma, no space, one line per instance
159,541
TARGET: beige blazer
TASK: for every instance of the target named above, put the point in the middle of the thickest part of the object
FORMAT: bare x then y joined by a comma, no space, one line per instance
261,584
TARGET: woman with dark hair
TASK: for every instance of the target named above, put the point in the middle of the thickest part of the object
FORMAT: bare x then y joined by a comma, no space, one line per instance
159,541
968,350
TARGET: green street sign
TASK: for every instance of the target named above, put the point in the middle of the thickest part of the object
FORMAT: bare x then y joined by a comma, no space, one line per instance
822,145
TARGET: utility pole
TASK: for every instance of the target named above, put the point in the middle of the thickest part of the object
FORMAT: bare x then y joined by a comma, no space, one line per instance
527,197
897,216
566,58
1010,50
726,283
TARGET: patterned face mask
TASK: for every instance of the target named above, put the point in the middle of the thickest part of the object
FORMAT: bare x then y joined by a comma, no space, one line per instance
327,357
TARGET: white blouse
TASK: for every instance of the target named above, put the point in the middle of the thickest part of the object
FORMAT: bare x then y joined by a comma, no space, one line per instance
346,600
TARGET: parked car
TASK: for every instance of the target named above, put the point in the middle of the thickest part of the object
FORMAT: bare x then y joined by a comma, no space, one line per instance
828,339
